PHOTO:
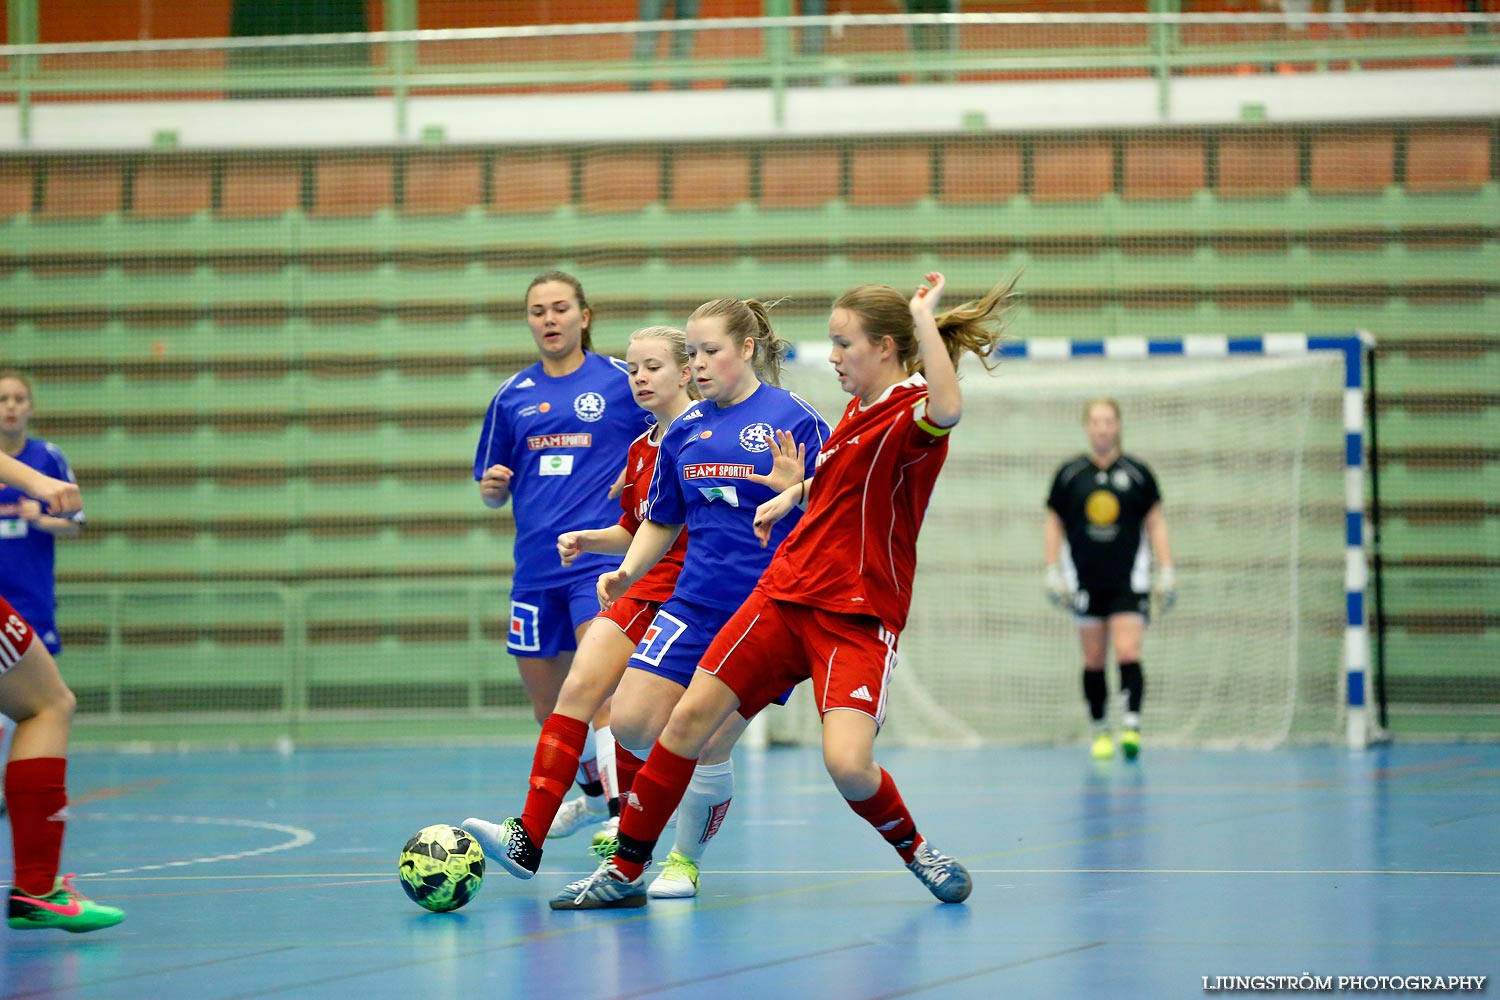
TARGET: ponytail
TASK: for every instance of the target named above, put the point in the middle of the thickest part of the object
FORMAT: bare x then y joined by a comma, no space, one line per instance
750,319
977,326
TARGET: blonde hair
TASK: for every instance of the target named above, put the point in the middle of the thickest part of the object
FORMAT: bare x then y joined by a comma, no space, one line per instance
677,341
749,319
1101,401
974,326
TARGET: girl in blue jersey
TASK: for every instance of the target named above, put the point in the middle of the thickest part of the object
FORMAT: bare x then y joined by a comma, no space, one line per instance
554,441
27,531
719,461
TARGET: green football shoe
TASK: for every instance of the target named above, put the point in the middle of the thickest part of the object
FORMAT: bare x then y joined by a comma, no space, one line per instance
1103,747
64,908
678,878
1130,743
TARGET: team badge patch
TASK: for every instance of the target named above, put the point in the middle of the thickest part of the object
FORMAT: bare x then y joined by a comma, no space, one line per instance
589,406
659,637
525,631
753,438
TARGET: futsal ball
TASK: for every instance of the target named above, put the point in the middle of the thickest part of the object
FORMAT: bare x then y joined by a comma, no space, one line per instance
441,867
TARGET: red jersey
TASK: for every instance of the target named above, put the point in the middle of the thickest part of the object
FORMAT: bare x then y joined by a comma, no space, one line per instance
640,465
855,551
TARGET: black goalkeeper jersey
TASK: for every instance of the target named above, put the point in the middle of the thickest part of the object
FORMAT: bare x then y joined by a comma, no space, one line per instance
1102,512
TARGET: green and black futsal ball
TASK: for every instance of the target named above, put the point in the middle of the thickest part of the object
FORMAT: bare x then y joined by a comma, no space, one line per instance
441,867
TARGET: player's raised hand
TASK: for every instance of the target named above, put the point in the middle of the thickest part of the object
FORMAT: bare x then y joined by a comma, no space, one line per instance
788,462
494,485
926,299
773,510
611,587
569,546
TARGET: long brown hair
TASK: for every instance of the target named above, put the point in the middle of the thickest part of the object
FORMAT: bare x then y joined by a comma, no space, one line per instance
750,319
975,326
583,301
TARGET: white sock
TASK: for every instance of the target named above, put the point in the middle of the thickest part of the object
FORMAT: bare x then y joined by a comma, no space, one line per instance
703,808
605,747
588,766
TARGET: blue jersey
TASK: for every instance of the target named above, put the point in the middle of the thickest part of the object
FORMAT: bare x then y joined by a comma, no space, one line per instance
27,554
565,439
701,481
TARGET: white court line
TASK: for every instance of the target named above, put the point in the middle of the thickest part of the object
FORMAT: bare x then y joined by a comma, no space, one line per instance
299,838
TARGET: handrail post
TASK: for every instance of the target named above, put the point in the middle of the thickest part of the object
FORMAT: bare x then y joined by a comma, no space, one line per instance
24,29
1164,41
778,47
401,57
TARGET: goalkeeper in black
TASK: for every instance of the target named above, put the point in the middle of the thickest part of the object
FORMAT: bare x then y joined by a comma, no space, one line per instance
1107,553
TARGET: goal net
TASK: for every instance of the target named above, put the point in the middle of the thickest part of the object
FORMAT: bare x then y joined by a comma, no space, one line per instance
1250,455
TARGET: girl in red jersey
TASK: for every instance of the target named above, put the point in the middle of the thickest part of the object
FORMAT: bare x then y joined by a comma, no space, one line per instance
32,693
662,384
833,619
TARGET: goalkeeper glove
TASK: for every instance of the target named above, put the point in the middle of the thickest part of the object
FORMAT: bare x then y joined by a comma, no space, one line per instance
1057,586
1164,586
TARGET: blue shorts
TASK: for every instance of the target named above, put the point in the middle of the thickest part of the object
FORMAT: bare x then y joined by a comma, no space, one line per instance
677,639
679,635
543,622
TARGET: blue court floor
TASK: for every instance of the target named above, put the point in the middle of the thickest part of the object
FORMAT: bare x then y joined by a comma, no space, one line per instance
264,875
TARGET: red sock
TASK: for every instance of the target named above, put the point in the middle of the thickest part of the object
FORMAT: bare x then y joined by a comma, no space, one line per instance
644,813
627,766
886,812
36,790
552,771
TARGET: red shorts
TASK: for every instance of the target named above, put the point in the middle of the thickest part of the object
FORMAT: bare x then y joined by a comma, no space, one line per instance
769,646
632,616
15,636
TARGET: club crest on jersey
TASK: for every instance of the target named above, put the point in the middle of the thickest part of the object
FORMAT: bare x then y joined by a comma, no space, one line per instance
589,406
753,438
1121,480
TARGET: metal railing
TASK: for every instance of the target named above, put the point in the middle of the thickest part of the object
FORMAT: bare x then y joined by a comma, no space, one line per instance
774,53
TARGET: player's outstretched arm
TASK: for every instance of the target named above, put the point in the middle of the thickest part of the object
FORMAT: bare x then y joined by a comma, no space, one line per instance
651,542
572,544
1164,581
944,400
779,506
60,496
1054,582
788,462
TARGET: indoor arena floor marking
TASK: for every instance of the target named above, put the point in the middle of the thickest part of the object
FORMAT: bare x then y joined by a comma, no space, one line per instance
299,838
